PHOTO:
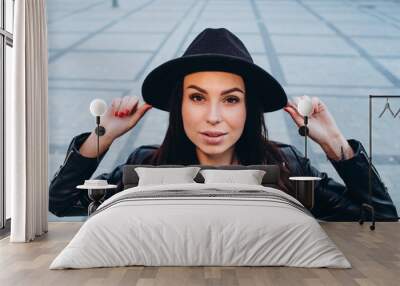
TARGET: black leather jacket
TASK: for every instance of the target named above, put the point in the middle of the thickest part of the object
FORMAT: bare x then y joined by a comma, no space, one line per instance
333,200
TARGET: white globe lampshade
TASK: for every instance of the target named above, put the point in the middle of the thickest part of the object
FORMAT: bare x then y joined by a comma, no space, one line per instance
305,106
98,107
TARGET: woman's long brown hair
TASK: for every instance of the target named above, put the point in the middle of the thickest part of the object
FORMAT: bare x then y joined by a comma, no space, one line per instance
252,148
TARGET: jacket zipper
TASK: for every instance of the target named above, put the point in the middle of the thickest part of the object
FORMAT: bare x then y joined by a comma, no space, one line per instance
376,173
372,166
63,164
66,159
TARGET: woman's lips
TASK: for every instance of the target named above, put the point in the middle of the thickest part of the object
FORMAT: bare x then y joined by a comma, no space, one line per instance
213,140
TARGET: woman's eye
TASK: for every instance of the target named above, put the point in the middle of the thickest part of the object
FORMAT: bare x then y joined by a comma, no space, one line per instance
232,99
196,97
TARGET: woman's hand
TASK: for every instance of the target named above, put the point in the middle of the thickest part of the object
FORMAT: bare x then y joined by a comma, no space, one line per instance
321,124
322,128
123,114
120,117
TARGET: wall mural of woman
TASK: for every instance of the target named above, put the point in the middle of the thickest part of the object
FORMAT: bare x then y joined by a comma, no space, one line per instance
216,97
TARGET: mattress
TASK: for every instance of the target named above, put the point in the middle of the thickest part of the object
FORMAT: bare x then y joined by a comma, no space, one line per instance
197,224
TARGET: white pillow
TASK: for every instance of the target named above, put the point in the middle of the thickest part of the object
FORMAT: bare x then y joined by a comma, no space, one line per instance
162,176
250,177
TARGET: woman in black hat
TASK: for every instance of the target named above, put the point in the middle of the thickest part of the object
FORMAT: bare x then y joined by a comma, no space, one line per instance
217,97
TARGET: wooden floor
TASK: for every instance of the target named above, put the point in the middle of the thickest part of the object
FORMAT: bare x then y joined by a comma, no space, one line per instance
374,255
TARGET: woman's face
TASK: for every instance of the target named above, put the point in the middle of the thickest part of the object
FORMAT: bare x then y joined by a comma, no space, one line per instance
213,110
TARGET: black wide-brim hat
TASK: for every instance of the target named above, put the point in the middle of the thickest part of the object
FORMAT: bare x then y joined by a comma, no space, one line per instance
213,50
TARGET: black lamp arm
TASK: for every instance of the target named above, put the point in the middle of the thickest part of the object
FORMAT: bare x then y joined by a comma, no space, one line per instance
100,131
303,131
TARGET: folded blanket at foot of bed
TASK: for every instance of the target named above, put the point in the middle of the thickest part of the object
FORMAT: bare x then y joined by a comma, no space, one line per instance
201,224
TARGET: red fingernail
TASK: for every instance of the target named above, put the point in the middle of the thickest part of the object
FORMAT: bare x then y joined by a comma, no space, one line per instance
126,111
120,114
116,113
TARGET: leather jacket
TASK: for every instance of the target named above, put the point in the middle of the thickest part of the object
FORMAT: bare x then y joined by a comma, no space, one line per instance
333,200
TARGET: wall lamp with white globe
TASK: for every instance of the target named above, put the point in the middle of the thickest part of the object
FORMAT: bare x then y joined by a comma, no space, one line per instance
305,108
97,108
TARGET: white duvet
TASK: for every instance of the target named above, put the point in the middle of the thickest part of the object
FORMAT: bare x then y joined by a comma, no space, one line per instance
224,225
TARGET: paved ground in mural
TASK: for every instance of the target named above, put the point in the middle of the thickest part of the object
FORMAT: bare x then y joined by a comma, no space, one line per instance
340,51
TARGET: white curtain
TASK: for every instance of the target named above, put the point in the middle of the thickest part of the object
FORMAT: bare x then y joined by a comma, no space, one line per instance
27,137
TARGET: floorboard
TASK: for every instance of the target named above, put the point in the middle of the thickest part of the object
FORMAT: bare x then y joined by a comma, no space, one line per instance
374,255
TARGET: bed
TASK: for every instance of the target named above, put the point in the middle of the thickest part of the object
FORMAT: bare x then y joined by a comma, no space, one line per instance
201,224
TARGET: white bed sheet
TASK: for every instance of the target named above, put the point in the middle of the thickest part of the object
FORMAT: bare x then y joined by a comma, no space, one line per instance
202,231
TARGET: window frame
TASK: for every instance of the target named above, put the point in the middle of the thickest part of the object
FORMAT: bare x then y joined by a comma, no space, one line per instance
6,39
